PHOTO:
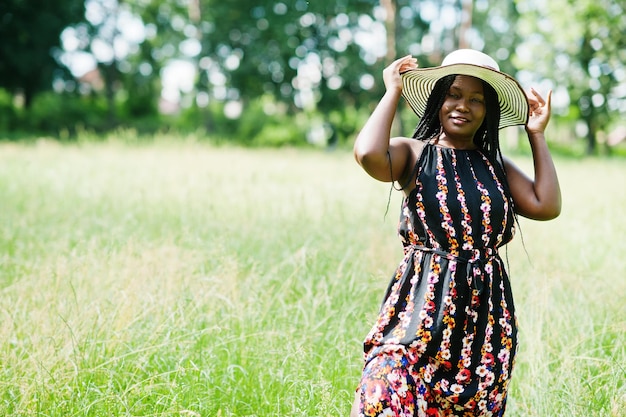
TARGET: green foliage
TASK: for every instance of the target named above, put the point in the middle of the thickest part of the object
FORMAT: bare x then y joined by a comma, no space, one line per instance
347,121
256,128
278,135
69,113
140,101
8,115
585,58
275,40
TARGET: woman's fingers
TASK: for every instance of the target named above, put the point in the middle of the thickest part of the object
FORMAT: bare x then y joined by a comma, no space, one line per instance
391,74
407,63
538,96
536,100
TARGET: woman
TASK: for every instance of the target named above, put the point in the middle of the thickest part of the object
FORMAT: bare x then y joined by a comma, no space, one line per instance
446,335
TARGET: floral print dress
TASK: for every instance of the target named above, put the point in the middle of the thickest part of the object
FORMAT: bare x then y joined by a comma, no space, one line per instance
446,335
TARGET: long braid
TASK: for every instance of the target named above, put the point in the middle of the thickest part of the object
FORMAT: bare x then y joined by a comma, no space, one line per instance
430,125
488,140
487,137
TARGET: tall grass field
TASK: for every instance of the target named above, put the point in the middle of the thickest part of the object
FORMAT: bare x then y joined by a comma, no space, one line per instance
180,279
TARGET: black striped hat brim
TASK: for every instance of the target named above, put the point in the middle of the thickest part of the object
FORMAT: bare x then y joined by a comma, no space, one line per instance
417,85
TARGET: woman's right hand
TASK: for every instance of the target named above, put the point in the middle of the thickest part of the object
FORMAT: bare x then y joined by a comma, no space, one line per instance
391,74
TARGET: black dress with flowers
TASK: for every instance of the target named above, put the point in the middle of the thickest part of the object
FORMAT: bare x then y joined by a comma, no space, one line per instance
446,335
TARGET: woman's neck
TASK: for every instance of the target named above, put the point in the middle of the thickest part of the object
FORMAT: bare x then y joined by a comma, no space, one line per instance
455,143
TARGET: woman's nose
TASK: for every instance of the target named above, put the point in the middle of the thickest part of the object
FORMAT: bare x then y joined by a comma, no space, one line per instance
462,105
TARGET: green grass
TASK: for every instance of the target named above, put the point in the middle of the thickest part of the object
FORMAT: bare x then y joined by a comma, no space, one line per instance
178,279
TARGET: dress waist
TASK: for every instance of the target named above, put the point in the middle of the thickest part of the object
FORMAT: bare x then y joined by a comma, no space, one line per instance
476,261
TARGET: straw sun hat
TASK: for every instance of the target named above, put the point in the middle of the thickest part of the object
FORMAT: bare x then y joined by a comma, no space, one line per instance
417,84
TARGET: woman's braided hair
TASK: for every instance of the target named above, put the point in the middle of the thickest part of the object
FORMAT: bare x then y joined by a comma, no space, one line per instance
486,139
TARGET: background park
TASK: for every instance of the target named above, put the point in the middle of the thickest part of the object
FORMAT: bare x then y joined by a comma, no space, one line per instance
184,231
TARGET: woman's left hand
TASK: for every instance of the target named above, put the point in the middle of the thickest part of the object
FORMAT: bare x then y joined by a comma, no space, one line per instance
539,113
538,198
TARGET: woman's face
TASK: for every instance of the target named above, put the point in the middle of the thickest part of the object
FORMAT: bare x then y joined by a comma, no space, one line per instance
463,109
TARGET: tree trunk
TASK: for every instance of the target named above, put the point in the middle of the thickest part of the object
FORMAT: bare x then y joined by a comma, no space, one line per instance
588,112
108,73
466,23
29,95
591,134
390,28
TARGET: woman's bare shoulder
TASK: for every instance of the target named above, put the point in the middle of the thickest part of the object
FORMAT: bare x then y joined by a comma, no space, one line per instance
412,149
412,146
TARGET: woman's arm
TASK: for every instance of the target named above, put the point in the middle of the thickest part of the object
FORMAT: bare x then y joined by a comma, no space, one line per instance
373,142
538,199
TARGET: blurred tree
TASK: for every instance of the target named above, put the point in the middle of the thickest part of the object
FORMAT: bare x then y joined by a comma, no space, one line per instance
325,58
166,27
319,61
310,56
494,32
30,30
130,42
581,45
104,31
322,55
